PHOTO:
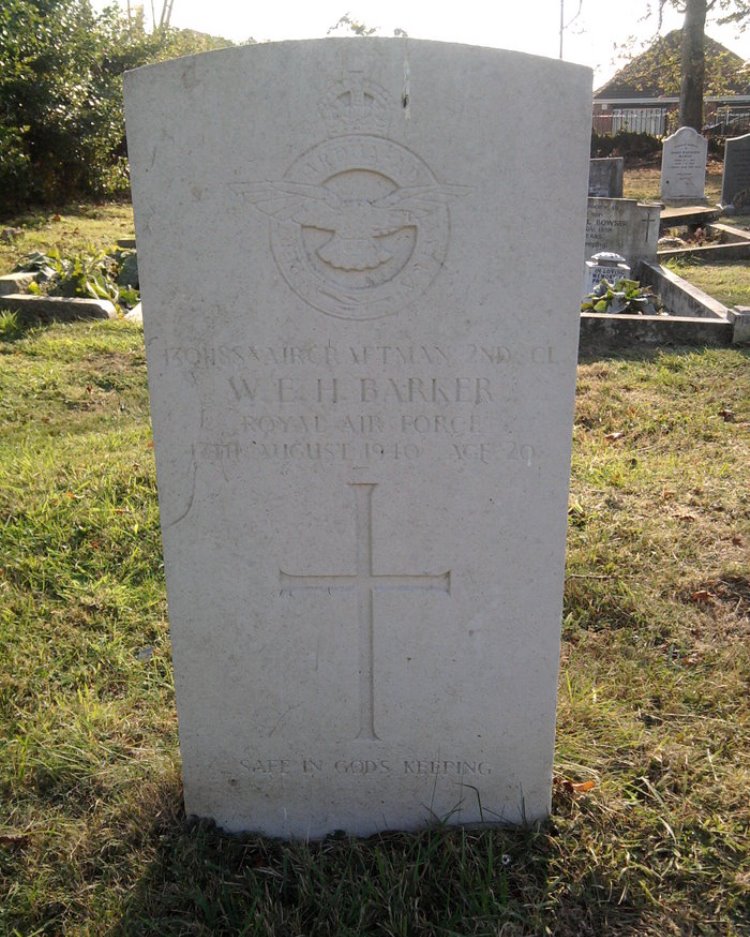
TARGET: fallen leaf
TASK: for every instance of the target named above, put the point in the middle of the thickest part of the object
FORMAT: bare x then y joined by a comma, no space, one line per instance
737,540
13,839
613,437
56,218
686,517
702,597
573,787
667,495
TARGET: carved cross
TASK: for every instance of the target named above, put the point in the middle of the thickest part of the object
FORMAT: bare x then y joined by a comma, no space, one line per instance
364,582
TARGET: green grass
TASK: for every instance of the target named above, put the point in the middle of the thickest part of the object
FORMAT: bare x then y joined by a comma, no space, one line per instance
644,182
727,282
653,703
72,230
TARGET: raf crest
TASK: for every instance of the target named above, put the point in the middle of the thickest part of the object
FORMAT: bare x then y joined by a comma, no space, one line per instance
359,224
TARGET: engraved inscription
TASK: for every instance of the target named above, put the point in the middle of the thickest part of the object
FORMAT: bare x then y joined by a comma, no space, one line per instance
361,767
361,404
365,582
209,357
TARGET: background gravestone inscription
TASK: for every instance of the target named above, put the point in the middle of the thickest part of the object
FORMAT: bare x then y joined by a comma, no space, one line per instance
683,166
622,226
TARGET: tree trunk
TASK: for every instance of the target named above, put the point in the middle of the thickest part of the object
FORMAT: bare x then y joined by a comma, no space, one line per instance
693,65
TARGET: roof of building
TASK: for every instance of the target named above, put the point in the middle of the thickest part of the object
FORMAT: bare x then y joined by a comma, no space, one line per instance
656,72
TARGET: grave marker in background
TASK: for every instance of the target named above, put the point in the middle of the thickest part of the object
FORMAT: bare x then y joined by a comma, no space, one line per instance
683,166
604,266
735,181
622,226
362,388
606,176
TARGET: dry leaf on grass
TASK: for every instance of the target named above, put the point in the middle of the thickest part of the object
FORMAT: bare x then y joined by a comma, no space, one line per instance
574,787
702,596
14,840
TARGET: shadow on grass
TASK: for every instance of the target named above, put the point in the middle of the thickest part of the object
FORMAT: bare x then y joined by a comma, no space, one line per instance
649,354
435,883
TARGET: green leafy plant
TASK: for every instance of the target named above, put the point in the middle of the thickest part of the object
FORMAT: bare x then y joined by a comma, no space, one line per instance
10,326
625,296
91,273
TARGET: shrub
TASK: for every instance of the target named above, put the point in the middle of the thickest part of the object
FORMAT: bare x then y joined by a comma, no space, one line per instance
626,143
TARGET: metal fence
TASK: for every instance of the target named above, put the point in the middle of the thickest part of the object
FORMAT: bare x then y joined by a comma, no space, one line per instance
725,120
651,120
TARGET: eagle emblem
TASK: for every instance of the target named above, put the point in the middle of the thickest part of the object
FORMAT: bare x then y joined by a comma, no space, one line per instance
357,227
359,224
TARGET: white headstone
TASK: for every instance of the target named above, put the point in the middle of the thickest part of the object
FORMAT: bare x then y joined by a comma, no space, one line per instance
362,388
683,166
604,266
622,226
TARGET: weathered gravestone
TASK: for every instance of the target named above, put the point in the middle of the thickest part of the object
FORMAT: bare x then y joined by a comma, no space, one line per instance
683,166
622,226
362,386
606,176
735,181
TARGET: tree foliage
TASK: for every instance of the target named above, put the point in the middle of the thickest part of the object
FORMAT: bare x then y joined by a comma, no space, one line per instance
61,116
692,56
657,71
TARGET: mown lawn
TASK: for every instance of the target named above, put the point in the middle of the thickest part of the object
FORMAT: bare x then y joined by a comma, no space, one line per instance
644,182
654,710
726,281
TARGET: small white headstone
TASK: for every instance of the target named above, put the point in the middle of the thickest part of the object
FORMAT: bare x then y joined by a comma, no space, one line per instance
604,266
362,387
683,166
